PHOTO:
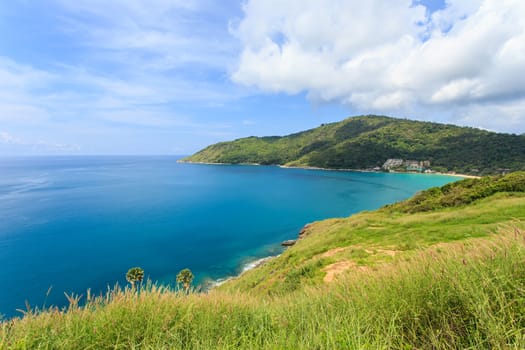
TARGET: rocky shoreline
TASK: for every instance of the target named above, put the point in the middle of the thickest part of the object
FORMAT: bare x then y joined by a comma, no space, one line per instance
256,263
247,267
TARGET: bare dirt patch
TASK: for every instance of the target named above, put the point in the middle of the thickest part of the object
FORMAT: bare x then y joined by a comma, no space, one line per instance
337,268
388,252
333,252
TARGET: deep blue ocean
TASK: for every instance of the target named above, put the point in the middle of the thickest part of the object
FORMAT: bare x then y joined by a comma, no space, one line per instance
73,223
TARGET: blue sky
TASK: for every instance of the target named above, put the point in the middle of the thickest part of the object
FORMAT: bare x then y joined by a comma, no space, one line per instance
172,76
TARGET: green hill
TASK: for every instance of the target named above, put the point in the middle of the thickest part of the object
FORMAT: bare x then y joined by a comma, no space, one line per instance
442,270
368,141
472,208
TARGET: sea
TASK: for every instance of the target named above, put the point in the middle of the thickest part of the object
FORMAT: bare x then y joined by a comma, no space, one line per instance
69,224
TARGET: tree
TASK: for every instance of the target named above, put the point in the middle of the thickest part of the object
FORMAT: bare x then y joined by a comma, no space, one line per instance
135,274
185,277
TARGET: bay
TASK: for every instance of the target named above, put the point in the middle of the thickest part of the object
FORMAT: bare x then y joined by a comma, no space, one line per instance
72,223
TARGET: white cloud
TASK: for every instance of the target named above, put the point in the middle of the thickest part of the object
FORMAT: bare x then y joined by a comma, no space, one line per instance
152,35
248,122
138,57
33,97
391,57
7,138
43,105
36,145
20,86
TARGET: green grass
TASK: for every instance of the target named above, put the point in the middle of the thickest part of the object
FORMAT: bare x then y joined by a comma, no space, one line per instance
377,232
447,277
469,295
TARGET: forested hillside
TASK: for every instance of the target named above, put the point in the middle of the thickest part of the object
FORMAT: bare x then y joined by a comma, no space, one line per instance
368,141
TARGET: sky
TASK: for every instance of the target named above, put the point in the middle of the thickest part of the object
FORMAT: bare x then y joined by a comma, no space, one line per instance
173,76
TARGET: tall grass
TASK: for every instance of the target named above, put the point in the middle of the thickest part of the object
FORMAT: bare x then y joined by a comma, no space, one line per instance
455,296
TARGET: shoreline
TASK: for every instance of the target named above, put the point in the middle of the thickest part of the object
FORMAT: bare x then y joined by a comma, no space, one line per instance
464,176
461,175
245,268
210,163
258,262
380,172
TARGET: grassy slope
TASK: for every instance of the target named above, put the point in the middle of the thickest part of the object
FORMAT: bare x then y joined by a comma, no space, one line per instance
370,239
363,142
456,280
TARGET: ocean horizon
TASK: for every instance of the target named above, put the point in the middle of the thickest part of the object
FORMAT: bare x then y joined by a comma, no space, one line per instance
73,223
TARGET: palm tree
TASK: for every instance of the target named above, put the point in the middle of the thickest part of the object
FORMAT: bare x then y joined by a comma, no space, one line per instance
185,277
135,274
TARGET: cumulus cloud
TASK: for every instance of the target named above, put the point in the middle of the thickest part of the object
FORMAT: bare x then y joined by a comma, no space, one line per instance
391,57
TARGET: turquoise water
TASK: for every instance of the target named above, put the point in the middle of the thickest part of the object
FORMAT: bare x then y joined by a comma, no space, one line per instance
73,223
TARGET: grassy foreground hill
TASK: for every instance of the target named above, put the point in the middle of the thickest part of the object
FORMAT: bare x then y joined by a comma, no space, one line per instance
368,141
442,270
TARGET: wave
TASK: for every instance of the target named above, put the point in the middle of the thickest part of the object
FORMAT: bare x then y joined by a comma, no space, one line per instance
24,185
246,267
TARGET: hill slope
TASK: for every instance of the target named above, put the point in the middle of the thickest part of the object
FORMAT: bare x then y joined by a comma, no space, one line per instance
443,270
473,208
368,141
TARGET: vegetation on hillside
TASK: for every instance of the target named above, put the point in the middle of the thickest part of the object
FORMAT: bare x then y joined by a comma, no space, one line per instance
368,141
472,208
456,297
461,193
446,275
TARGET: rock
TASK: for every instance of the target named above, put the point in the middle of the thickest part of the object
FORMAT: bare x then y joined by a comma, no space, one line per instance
303,230
288,243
